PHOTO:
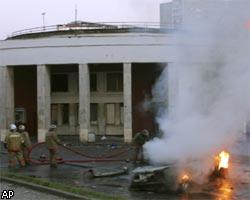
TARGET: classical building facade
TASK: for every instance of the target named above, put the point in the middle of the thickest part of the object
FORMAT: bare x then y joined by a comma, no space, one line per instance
82,79
91,77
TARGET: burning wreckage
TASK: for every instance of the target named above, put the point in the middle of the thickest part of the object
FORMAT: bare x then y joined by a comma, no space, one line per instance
158,179
167,179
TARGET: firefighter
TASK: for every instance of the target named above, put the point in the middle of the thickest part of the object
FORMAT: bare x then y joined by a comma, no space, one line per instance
52,142
139,140
27,143
13,143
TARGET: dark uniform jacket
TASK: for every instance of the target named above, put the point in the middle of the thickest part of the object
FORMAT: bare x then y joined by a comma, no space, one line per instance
52,141
140,138
14,141
26,138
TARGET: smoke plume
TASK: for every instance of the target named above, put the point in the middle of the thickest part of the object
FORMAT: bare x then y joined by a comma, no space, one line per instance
207,87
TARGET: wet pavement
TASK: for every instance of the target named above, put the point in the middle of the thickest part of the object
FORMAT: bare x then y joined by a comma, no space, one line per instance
76,173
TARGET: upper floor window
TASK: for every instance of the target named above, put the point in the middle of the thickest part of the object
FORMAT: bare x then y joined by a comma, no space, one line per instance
114,82
59,83
93,82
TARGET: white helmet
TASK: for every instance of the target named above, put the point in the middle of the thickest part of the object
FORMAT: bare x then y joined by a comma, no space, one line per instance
21,127
145,132
12,127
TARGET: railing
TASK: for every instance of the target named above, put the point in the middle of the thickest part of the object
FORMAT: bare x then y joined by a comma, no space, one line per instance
88,26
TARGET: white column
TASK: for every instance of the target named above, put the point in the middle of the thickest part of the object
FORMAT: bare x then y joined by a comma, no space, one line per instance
127,95
10,118
2,102
84,102
72,118
43,101
6,99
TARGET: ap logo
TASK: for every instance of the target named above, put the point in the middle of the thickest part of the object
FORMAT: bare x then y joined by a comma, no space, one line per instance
7,194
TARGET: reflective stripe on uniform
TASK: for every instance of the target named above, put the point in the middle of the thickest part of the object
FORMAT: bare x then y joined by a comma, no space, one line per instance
13,136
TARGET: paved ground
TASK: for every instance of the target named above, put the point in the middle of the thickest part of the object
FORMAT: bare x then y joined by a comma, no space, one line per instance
23,193
76,173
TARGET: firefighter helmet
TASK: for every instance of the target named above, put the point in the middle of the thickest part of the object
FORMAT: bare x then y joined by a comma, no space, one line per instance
145,132
21,127
12,127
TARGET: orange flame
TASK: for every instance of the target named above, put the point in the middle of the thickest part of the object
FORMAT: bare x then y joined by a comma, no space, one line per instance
223,160
185,178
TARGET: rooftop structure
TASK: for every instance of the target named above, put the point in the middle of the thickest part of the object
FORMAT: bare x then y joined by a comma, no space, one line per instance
78,28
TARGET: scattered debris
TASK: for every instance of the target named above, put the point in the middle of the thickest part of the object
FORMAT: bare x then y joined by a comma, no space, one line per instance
42,158
112,146
77,183
103,137
92,174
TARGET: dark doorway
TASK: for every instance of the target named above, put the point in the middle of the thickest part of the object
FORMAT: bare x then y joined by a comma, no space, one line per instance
25,87
144,76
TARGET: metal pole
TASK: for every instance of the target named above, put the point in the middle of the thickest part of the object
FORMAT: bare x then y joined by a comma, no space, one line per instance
75,14
43,14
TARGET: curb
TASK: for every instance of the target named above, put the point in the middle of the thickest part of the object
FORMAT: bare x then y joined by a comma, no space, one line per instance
78,165
45,189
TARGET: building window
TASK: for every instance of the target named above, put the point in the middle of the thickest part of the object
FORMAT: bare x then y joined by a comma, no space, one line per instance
93,112
54,111
93,82
20,115
110,112
65,113
59,82
114,82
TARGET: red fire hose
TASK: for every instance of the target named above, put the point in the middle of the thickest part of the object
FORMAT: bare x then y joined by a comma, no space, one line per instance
103,158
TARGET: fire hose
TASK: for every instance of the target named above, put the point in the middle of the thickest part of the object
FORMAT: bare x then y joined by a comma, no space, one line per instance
102,158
